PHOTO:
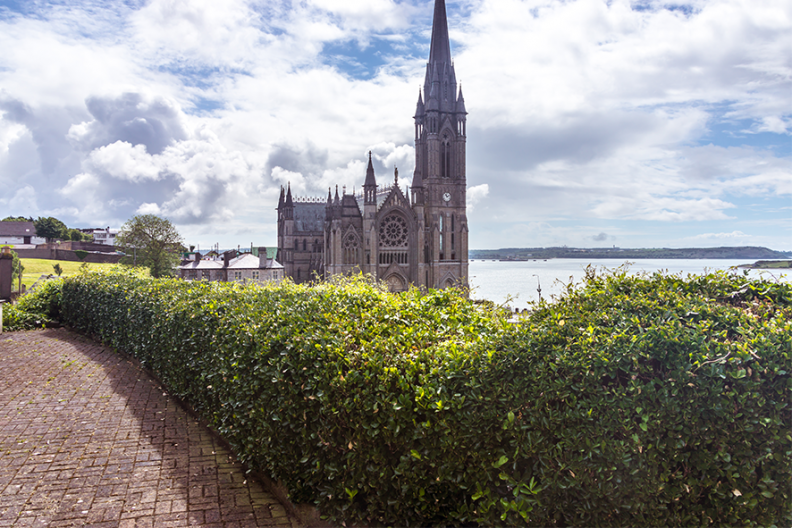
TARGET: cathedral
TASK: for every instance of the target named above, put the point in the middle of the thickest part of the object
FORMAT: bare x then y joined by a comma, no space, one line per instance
416,236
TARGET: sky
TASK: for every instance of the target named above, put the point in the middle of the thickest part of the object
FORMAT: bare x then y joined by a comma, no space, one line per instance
592,123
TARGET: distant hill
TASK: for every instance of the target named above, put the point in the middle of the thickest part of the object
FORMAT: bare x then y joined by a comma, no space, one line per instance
748,252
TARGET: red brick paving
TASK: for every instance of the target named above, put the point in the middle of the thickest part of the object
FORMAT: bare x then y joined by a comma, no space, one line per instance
87,438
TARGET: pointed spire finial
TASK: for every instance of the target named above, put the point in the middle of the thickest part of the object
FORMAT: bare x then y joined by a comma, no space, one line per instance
440,50
371,181
395,176
289,202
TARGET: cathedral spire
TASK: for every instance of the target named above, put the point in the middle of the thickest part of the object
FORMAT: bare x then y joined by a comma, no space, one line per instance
460,105
289,202
440,50
440,81
371,181
419,108
281,199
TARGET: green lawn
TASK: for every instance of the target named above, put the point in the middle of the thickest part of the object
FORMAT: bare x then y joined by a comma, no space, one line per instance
35,268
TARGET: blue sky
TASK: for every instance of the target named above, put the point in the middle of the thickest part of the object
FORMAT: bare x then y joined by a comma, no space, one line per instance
591,123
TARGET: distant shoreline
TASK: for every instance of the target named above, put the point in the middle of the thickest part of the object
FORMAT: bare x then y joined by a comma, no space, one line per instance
758,254
768,264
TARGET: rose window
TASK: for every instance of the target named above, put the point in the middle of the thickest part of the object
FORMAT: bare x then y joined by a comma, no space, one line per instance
393,232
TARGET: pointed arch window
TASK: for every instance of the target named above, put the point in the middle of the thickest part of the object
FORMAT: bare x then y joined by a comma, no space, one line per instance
445,157
351,247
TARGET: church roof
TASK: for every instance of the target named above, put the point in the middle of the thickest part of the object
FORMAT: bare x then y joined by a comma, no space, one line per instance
309,217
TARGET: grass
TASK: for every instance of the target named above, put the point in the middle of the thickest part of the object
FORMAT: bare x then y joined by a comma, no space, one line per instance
35,268
772,264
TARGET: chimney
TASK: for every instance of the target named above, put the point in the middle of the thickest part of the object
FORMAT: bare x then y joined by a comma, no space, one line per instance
262,251
227,257
197,256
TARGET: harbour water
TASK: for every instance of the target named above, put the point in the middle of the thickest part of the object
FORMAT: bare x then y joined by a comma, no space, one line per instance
515,284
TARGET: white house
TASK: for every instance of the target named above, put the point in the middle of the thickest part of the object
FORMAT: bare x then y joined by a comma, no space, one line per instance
19,233
103,236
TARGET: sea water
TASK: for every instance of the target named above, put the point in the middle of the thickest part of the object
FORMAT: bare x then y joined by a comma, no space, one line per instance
516,284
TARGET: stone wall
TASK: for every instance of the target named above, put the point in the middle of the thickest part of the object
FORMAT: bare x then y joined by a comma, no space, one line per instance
68,255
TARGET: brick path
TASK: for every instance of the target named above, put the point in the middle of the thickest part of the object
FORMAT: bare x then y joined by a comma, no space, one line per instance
89,439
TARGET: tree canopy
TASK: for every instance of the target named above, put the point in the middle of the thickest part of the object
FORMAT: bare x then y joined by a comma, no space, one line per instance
51,228
153,241
17,219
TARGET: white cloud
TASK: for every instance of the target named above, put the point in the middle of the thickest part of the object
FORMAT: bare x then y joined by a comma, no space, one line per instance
579,111
149,208
289,178
125,162
475,194
718,236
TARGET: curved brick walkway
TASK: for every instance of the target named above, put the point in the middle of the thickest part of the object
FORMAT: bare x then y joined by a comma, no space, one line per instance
87,438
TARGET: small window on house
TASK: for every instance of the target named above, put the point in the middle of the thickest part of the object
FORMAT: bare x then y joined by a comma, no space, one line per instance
255,275
237,275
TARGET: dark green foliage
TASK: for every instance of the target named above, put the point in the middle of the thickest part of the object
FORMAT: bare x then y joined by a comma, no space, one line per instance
51,228
57,269
81,254
78,236
635,401
35,309
16,219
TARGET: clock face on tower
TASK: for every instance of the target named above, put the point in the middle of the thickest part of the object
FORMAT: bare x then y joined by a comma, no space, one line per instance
446,197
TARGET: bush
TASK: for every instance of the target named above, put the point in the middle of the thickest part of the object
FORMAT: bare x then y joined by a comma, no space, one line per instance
34,310
633,401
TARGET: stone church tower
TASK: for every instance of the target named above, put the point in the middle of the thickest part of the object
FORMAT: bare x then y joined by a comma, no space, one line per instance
417,236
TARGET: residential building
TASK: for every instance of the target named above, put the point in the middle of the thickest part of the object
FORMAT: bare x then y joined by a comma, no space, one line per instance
19,233
233,267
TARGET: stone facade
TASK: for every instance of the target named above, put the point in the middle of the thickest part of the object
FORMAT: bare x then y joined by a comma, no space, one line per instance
417,236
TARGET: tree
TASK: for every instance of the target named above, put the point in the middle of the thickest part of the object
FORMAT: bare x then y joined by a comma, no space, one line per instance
16,219
50,228
58,270
153,242
76,235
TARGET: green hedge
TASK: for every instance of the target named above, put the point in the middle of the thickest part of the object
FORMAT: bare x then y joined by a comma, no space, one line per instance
634,401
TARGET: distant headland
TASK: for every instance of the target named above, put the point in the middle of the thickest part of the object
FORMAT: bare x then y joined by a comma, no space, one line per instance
517,254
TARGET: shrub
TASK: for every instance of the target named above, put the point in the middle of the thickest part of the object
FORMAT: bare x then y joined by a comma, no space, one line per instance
44,300
15,319
650,400
35,309
81,253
